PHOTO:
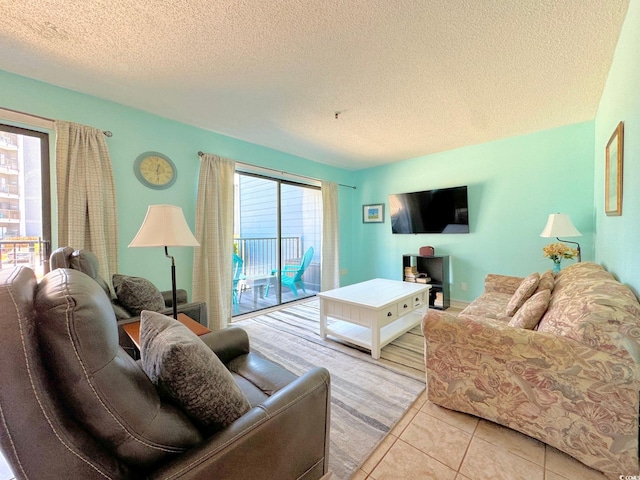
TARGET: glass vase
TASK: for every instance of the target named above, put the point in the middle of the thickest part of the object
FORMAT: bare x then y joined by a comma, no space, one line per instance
556,268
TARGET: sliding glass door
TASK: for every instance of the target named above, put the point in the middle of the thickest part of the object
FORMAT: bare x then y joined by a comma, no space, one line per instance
277,235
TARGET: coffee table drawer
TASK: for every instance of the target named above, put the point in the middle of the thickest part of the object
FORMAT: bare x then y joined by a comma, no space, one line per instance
388,314
419,299
405,306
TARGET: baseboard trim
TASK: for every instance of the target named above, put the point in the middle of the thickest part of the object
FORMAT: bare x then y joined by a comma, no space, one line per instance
459,304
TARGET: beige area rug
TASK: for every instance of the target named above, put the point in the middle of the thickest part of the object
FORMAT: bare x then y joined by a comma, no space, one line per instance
368,397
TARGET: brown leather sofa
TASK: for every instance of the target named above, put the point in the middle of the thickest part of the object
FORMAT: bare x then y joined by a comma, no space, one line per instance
86,262
118,426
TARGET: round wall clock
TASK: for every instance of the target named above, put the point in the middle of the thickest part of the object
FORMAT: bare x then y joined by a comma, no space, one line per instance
155,170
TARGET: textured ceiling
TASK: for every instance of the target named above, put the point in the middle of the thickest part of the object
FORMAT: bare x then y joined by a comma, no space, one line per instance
409,77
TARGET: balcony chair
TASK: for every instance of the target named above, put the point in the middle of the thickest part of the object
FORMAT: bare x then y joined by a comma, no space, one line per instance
238,277
75,405
294,281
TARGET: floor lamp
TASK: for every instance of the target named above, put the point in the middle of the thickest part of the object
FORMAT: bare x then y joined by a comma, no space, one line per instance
559,225
165,226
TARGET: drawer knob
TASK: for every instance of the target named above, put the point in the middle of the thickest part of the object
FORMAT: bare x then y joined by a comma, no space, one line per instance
388,314
405,306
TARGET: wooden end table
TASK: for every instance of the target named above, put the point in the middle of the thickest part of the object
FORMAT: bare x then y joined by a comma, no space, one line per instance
133,329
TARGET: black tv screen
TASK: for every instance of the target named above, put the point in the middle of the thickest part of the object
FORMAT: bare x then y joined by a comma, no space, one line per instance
444,210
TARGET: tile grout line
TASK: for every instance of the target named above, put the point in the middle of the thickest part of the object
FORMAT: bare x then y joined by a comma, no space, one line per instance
466,451
373,469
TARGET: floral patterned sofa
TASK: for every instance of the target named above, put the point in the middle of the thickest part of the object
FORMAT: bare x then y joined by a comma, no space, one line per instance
572,381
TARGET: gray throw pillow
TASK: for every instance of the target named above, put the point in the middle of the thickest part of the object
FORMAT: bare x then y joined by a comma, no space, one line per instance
137,294
186,370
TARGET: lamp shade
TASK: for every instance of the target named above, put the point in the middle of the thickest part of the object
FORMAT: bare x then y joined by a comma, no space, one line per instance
559,225
164,226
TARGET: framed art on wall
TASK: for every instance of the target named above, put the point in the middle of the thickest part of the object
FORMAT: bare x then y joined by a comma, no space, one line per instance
613,172
373,213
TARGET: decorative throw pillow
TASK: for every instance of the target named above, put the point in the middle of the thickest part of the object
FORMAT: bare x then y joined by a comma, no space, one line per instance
547,282
137,294
187,371
532,311
524,291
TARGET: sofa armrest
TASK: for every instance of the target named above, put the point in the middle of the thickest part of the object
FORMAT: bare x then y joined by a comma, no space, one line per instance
227,344
195,310
287,436
578,399
501,283
181,297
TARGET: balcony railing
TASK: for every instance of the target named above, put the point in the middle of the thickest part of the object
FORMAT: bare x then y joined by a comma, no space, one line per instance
260,254
10,189
10,165
23,252
9,214
259,257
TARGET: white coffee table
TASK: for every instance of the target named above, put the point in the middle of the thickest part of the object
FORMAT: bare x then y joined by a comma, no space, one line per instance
373,313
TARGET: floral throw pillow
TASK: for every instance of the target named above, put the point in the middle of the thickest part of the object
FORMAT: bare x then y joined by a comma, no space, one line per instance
547,282
522,294
532,311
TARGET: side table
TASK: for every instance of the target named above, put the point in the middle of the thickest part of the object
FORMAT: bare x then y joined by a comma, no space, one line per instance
260,285
133,329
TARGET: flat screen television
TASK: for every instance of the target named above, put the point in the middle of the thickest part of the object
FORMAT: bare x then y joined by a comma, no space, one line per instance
444,210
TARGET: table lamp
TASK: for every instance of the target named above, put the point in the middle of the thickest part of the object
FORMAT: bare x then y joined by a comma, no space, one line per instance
559,224
165,226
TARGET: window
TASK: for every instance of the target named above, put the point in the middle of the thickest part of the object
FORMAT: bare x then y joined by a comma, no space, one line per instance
25,205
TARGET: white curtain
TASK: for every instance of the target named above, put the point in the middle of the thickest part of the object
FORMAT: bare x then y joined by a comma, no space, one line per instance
330,237
212,262
87,216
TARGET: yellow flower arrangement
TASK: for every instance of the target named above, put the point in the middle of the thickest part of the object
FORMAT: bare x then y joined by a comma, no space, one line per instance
558,251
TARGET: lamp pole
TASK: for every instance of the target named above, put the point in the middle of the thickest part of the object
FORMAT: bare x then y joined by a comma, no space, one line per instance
173,283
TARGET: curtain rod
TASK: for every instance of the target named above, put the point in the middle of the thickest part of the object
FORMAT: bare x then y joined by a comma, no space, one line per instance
107,133
200,154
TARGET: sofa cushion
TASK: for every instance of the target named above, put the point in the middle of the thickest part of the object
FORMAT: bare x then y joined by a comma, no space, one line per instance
137,294
524,291
489,304
547,282
531,312
188,372
101,386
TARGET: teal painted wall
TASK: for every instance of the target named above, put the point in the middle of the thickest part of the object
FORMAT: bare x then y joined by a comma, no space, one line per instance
135,132
514,184
617,238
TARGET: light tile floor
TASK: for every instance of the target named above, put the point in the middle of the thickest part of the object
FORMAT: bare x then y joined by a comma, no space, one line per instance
431,442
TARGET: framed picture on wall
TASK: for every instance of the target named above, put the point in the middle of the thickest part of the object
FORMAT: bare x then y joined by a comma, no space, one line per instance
373,213
613,173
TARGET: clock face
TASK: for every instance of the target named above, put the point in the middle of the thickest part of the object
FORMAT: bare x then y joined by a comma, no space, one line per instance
155,170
